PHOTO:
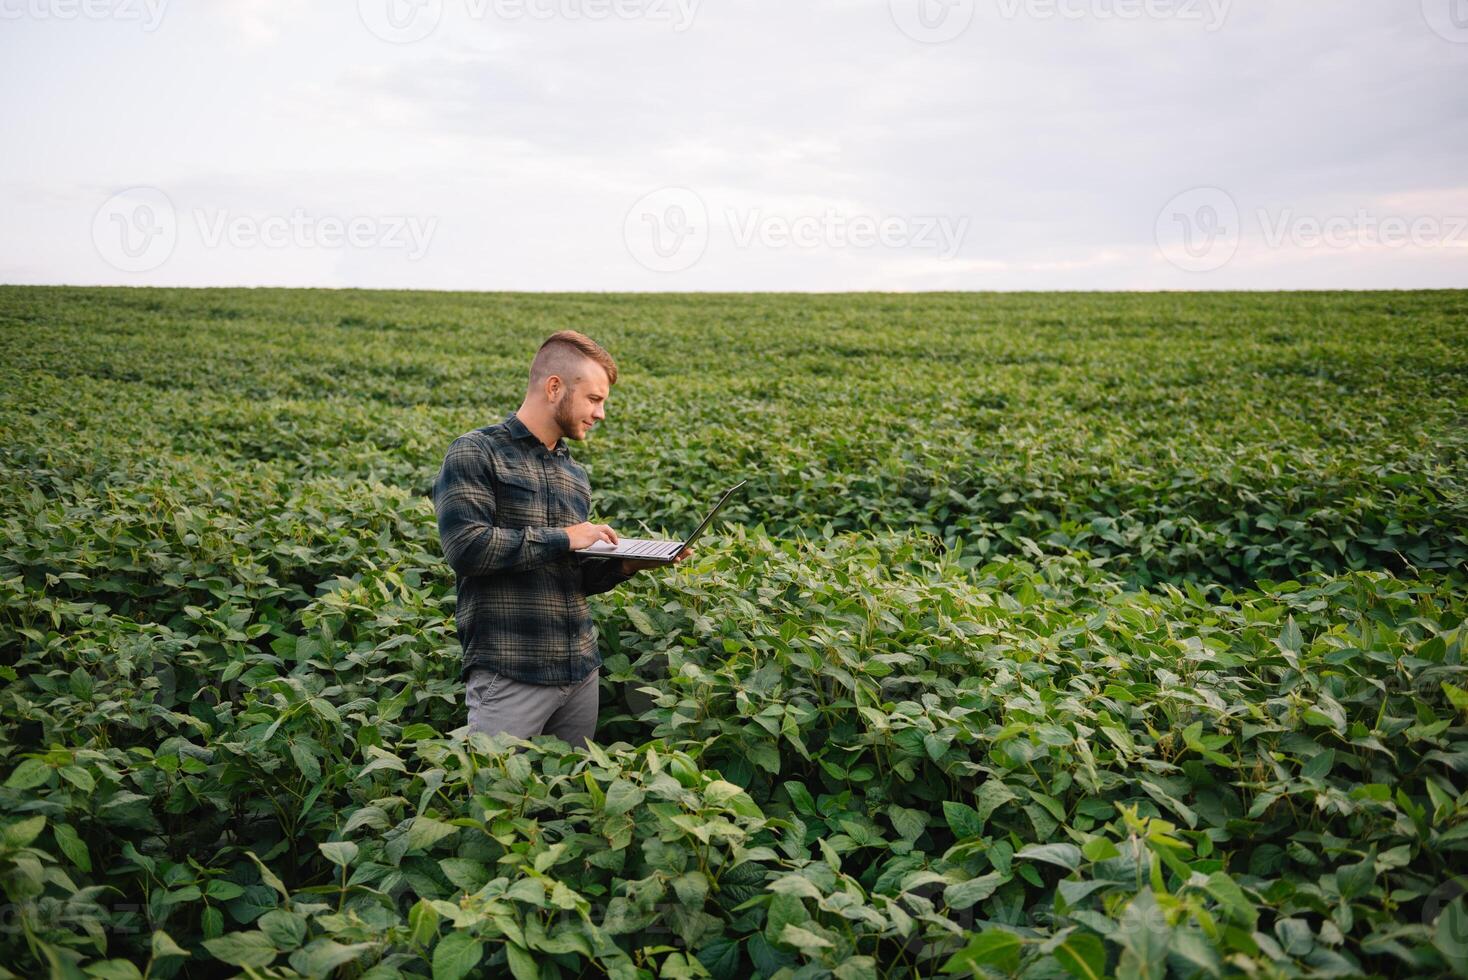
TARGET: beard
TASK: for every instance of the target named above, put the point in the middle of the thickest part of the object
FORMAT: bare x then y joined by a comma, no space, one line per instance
566,421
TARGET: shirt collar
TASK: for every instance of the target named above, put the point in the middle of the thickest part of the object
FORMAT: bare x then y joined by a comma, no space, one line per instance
520,430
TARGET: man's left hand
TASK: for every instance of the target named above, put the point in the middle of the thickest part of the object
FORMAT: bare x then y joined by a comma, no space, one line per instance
630,565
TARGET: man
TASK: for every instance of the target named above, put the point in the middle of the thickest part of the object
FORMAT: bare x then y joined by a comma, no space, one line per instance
512,507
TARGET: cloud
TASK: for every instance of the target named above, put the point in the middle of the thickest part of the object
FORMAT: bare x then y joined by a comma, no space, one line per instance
1055,140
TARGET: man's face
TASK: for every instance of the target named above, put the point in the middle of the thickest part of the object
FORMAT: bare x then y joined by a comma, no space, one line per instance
582,406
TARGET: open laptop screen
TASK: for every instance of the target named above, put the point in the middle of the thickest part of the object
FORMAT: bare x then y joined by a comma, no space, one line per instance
688,541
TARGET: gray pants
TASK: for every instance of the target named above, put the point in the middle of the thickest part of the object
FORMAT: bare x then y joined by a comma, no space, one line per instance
498,704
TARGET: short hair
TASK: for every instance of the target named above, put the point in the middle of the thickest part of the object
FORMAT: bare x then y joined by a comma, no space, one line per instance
560,353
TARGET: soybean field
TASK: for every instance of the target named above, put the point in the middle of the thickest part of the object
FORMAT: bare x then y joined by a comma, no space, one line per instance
1054,635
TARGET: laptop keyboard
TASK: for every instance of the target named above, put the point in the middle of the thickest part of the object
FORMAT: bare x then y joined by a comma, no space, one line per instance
647,549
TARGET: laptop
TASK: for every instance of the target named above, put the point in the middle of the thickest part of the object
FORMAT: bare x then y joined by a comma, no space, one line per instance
654,549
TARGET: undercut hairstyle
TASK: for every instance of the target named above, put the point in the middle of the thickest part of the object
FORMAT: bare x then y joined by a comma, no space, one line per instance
562,354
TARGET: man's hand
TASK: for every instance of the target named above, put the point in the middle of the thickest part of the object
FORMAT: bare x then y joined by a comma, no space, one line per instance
630,565
586,534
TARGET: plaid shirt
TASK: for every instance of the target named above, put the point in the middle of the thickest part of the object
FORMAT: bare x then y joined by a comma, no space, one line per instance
502,501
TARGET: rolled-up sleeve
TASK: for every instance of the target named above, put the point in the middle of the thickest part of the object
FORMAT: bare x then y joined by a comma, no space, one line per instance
463,499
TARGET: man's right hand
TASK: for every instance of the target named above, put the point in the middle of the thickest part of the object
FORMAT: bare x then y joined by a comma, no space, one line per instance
587,534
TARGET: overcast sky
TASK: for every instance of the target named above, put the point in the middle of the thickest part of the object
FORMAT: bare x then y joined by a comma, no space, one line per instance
736,144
